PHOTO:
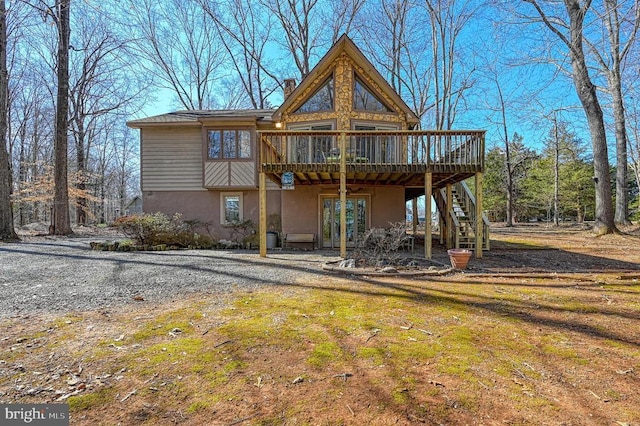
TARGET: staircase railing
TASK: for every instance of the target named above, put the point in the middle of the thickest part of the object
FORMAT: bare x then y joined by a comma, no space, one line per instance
467,202
463,214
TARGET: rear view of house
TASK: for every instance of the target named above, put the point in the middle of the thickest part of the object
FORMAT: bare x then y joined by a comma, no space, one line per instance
339,156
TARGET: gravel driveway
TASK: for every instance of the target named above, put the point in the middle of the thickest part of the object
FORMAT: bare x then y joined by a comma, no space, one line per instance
46,274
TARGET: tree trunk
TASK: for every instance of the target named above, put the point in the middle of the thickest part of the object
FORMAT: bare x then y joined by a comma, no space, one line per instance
61,221
586,90
617,54
579,216
7,230
22,174
82,206
508,165
510,208
622,190
604,218
556,176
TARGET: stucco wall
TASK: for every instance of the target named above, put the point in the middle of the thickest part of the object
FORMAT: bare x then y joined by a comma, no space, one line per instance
387,205
205,206
301,212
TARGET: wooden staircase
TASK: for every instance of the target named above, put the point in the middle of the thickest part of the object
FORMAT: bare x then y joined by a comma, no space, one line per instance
458,223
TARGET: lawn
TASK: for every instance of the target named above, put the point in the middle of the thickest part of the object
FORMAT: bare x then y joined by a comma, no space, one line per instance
488,347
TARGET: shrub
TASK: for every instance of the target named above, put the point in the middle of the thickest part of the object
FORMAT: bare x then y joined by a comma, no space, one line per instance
159,229
242,231
381,245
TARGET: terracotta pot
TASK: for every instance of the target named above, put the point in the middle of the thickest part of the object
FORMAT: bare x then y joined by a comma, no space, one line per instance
459,258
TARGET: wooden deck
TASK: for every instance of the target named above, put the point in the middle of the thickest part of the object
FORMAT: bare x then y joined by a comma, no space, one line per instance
399,158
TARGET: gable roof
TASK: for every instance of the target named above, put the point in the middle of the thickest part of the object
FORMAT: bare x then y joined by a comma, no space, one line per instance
197,117
345,44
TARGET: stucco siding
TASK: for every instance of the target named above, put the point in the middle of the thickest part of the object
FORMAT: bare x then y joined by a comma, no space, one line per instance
204,206
171,159
301,207
387,206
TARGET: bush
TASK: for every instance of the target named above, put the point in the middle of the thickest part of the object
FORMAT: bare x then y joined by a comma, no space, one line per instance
380,246
241,232
159,229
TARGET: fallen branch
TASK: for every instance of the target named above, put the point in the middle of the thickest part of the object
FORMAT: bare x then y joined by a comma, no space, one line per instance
343,375
352,413
375,333
129,395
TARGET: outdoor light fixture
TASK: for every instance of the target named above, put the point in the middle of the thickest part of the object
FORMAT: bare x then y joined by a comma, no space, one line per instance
278,125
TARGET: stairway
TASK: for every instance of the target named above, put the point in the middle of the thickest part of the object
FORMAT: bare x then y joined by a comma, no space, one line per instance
462,232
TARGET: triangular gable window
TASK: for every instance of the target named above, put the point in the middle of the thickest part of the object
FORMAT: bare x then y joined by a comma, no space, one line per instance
322,100
364,100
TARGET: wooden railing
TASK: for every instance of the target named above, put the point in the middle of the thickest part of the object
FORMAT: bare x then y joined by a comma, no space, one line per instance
385,148
463,217
467,202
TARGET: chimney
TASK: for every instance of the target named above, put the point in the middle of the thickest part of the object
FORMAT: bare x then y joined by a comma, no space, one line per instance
289,86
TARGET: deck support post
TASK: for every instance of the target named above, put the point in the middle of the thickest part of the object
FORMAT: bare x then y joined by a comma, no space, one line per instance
479,222
262,227
343,195
448,219
428,194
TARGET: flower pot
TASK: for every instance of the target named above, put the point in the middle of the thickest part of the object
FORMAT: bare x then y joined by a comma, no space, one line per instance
459,258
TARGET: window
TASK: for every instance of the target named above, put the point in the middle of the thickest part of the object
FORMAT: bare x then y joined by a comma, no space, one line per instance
377,148
310,149
229,144
322,100
230,207
364,100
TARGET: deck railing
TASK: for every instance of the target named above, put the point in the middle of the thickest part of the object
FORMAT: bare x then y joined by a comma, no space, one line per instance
371,148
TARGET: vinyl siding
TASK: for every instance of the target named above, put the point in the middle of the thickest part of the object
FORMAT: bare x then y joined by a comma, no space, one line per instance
171,159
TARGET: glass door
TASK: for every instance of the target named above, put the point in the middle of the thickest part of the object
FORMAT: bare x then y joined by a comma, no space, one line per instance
310,149
356,212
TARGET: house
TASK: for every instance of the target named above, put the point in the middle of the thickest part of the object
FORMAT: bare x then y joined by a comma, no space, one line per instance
339,156
134,206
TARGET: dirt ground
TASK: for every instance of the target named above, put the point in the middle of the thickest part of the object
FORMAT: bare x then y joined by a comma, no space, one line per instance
543,330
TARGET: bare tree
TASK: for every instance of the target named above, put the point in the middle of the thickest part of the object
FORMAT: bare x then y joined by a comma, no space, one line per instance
614,17
7,230
59,15
301,32
182,53
509,166
634,139
385,28
245,32
570,31
61,222
125,166
99,88
341,17
447,20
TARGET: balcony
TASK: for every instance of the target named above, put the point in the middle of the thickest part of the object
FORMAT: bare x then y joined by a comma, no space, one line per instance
372,157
